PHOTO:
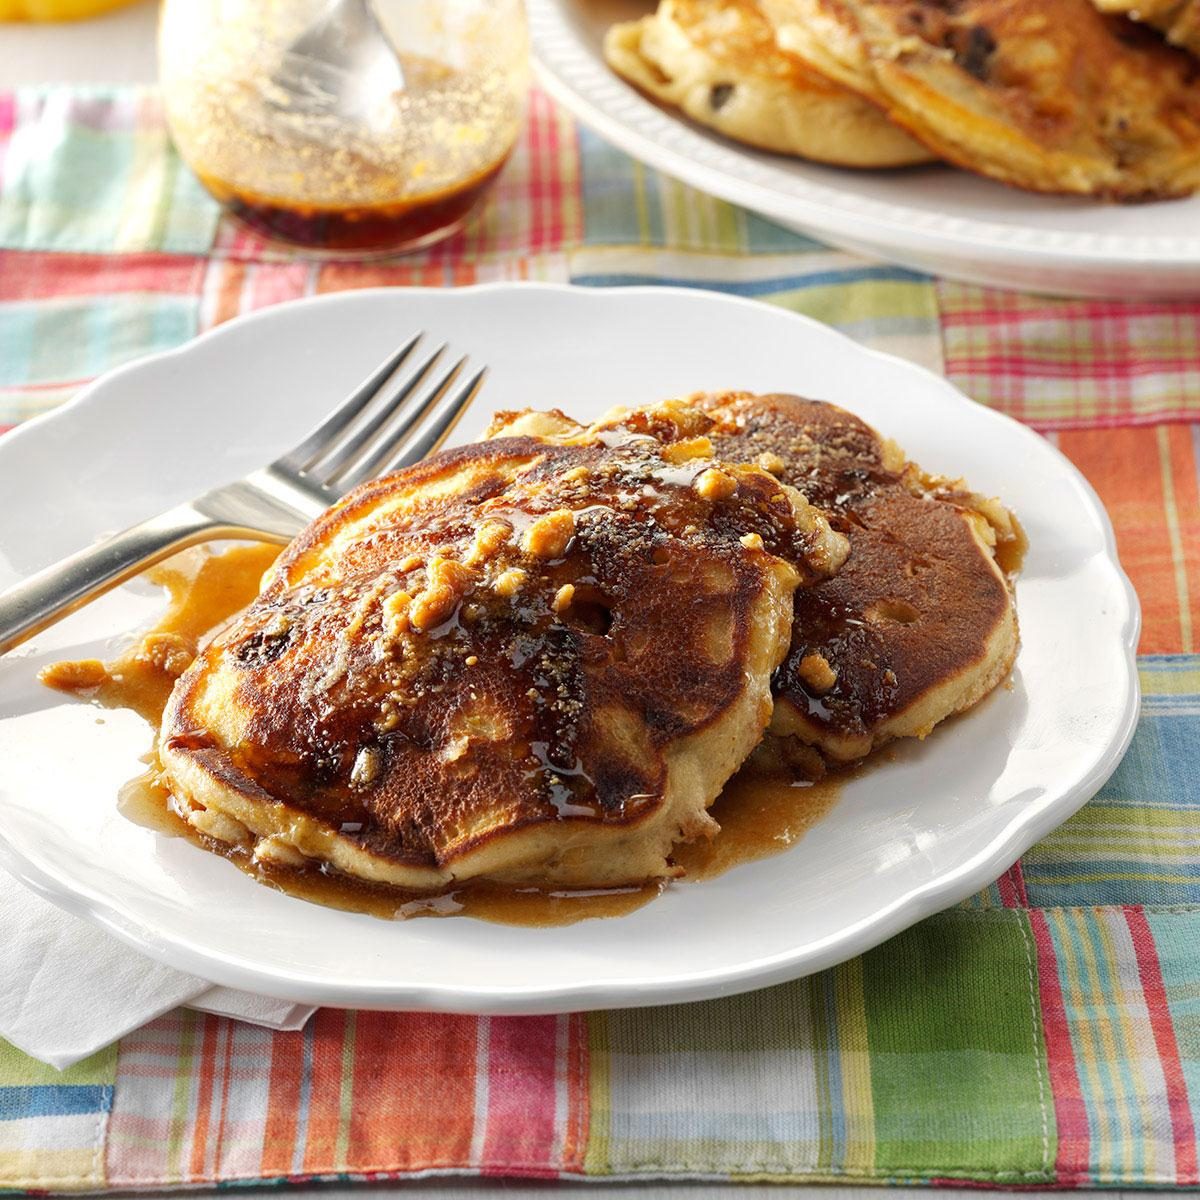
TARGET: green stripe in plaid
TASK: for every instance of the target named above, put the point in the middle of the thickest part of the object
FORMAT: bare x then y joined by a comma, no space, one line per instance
91,170
927,1059
52,1123
80,337
770,1083
629,204
1175,941
923,1059
957,1063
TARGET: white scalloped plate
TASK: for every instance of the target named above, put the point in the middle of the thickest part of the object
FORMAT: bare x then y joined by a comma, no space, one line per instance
904,840
935,218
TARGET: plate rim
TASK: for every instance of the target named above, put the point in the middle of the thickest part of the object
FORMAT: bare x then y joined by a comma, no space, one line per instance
914,905
828,210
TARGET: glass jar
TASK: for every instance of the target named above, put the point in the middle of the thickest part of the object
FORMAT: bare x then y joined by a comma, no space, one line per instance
346,126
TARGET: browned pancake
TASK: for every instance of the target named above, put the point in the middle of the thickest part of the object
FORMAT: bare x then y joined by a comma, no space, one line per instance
1179,20
919,623
531,662
1048,95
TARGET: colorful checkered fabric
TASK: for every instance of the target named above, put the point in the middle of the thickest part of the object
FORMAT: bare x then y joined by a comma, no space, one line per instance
1045,1032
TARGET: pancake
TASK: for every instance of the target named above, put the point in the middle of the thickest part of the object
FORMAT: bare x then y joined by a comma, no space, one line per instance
1047,95
527,662
718,61
1179,20
919,622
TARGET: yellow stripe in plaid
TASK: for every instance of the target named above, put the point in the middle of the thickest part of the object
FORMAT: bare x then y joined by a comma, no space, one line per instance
52,1124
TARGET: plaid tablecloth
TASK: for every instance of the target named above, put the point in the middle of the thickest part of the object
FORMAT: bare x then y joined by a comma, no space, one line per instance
1046,1032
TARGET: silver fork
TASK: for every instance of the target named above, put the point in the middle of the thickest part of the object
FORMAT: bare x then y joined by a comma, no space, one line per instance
358,441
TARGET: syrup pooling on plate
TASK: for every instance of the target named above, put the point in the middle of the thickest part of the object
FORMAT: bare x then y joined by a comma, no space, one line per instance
761,813
204,591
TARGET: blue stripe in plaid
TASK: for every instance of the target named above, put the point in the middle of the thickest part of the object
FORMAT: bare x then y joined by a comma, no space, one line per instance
760,287
19,1103
1138,841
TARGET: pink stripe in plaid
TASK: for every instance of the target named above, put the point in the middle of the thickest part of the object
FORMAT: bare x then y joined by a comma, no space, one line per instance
1064,364
233,286
32,275
1011,886
522,1119
8,122
207,1129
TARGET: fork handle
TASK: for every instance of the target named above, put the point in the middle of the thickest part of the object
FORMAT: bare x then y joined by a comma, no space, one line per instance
37,602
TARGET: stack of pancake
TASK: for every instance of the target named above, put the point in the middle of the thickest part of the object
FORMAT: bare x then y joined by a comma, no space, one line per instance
1085,97
538,659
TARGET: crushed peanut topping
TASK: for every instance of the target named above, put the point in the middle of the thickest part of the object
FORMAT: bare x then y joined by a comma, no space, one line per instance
472,660
367,765
448,573
771,462
815,670
395,614
576,475
715,484
563,597
448,582
171,653
549,536
432,606
752,541
680,452
509,582
489,537
74,676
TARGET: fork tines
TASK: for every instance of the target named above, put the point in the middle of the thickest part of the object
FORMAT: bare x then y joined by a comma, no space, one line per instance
360,440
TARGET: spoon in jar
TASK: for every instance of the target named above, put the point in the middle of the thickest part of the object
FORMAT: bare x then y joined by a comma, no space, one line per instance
342,66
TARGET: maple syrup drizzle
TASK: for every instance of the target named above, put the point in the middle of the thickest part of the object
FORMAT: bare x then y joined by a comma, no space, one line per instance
402,224
760,813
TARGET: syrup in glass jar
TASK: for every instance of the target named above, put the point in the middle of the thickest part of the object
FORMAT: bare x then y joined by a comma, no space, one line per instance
346,126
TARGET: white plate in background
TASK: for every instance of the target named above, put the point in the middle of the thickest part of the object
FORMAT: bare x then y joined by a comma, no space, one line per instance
933,218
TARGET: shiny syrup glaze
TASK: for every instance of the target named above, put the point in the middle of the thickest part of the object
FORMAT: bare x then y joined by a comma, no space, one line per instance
760,814
518,721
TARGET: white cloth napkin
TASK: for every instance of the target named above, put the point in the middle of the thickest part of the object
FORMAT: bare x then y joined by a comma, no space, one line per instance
68,989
